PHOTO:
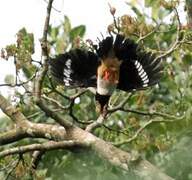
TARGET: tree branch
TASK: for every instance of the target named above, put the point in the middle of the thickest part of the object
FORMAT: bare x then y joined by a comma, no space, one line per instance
139,131
148,113
91,127
36,158
14,113
45,54
51,145
116,156
177,42
12,136
21,83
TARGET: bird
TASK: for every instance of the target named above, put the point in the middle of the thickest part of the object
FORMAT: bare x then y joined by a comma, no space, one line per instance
116,62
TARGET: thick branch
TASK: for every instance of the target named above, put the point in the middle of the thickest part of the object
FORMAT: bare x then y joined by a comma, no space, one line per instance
11,111
51,145
25,128
117,156
12,136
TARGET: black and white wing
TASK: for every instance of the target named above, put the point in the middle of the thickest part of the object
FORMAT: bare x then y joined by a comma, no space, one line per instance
76,68
139,69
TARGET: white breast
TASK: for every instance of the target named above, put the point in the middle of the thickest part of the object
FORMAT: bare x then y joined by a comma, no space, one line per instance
105,87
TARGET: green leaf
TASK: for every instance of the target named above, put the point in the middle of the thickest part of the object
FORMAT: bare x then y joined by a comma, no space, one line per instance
77,31
28,70
149,3
67,24
54,32
187,59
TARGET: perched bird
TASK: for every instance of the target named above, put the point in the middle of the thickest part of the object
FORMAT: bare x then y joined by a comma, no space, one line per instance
116,63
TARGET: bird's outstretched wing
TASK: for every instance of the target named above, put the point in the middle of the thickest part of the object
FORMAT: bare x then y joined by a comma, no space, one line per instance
138,70
76,68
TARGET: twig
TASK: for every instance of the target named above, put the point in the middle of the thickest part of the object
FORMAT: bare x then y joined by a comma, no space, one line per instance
54,7
115,130
36,157
20,84
55,102
112,10
148,113
142,128
91,127
45,54
81,92
177,42
148,34
34,115
120,105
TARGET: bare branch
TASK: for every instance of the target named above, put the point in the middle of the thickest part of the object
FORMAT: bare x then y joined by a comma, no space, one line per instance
148,113
20,84
56,116
91,127
36,158
12,136
120,105
51,145
177,42
148,34
11,111
45,54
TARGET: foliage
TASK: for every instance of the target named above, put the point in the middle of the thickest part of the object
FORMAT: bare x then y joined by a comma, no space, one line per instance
164,142
63,36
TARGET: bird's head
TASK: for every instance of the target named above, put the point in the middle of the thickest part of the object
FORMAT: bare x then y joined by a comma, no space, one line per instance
109,70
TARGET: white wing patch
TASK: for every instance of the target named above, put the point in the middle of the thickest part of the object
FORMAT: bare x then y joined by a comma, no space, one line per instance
143,75
67,73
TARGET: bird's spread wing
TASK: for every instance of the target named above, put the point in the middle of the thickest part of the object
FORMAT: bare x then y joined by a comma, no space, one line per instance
139,69
76,68
139,73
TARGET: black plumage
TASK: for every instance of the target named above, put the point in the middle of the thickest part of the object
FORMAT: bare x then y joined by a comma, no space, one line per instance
81,71
78,68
